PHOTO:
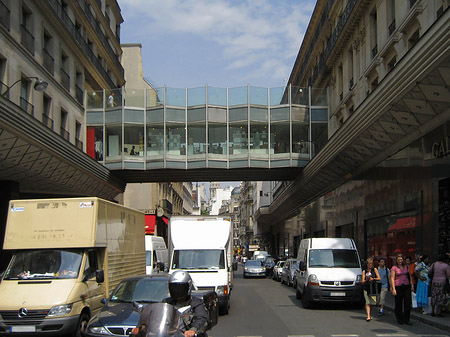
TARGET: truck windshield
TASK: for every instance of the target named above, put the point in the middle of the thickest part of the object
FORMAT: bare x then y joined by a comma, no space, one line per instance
333,258
45,264
198,259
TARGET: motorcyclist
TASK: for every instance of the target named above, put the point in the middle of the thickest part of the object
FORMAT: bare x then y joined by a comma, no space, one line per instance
193,312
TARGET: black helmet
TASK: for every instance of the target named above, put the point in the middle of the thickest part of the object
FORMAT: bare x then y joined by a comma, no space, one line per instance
180,285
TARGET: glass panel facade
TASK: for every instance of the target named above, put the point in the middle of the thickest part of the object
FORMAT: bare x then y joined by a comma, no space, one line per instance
238,96
133,146
238,140
196,141
113,143
217,135
155,141
181,128
217,96
94,100
299,96
134,97
196,96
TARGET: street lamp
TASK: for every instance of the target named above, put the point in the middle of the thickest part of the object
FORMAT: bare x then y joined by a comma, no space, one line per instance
39,85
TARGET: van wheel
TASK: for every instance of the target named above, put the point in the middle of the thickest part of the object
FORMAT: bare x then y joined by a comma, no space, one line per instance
307,304
82,324
298,295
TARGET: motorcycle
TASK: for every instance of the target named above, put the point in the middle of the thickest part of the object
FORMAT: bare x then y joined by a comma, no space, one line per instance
160,320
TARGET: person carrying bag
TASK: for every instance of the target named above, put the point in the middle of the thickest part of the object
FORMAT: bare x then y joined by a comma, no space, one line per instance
371,287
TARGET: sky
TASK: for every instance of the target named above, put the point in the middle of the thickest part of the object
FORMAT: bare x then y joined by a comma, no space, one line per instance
219,43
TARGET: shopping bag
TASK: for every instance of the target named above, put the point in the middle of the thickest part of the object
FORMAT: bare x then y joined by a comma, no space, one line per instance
413,300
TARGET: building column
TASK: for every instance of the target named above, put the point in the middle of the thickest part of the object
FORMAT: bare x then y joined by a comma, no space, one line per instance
10,190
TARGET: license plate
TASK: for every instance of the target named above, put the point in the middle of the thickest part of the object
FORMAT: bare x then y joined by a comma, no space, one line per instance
23,328
337,294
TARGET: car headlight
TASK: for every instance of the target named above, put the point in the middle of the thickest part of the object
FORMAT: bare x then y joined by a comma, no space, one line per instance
60,310
100,330
222,290
313,280
245,268
359,279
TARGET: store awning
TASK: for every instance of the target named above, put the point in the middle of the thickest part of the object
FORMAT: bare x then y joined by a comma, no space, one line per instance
150,221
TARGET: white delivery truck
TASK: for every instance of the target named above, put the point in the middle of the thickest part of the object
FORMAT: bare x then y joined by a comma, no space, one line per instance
68,255
156,254
329,271
203,246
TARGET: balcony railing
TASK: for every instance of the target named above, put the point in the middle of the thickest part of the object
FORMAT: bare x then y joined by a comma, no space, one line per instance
5,15
27,106
79,94
3,88
94,23
79,144
65,79
70,26
27,39
392,27
47,121
49,62
64,133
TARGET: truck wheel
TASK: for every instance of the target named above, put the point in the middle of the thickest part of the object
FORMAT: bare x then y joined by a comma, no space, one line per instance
82,324
224,310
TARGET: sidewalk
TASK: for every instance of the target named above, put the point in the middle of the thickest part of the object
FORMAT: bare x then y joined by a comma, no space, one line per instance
439,322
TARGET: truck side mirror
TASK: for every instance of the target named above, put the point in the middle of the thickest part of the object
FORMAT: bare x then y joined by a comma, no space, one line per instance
302,266
100,276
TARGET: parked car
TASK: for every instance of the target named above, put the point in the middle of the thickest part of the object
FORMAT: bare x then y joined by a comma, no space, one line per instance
254,268
277,270
287,273
121,311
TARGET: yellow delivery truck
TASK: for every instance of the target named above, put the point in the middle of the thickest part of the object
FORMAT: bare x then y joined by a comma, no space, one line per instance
68,255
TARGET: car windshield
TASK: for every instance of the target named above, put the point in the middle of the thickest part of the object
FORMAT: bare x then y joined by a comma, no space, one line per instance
333,258
45,264
145,290
253,263
198,259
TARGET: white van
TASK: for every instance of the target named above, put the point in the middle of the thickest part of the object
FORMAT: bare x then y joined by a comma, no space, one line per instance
329,270
155,251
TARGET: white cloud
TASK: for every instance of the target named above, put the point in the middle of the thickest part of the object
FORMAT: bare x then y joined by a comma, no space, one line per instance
263,34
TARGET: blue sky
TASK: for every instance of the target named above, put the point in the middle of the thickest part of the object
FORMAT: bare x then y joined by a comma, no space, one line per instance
221,43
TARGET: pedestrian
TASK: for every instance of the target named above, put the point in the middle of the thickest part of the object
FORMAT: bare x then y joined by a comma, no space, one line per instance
439,274
411,268
423,282
385,274
401,289
111,100
370,277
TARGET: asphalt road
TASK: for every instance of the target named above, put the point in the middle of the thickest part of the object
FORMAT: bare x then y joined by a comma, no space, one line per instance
263,307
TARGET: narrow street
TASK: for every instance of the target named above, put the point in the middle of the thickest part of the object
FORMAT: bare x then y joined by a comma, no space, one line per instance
264,307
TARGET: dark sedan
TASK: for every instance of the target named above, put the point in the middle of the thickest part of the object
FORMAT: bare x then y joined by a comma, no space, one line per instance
121,311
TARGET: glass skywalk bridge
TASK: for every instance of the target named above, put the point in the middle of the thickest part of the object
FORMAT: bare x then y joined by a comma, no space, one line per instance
206,127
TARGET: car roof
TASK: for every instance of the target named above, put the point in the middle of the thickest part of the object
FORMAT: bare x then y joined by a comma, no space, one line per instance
154,276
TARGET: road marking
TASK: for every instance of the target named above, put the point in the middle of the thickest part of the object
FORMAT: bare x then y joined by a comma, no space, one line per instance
345,335
391,335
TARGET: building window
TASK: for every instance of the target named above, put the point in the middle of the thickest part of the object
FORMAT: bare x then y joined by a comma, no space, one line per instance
78,142
350,68
49,62
65,77
373,33
64,125
46,113
391,16
25,89
27,39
